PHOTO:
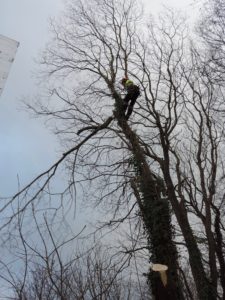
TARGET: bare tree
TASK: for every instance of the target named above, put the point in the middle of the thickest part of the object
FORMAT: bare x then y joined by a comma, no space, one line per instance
89,274
109,47
167,159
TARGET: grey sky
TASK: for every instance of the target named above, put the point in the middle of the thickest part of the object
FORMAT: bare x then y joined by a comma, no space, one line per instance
27,147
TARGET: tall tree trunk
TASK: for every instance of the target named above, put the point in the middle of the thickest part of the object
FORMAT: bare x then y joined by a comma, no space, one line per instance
156,218
203,285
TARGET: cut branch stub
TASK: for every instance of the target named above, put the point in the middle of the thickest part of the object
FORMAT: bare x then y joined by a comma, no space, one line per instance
162,270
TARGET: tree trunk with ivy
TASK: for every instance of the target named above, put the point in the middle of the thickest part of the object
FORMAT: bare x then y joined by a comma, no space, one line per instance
155,211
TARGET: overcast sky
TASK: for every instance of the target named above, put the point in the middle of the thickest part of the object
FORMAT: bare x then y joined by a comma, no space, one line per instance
27,147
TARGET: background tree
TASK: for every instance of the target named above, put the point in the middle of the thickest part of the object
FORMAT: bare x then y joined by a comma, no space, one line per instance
211,29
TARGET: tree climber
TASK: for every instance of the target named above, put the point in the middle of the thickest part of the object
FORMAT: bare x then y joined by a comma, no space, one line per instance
133,93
